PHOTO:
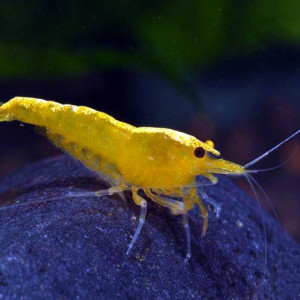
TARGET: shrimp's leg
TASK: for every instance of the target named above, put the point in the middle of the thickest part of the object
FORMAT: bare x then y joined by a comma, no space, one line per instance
190,198
70,194
176,207
211,201
112,190
100,193
143,204
186,226
114,176
122,196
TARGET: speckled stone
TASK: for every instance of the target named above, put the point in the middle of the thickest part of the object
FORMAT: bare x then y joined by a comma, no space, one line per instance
62,248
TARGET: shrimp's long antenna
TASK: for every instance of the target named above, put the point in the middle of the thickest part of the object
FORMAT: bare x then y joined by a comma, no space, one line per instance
276,167
268,169
269,201
271,150
248,178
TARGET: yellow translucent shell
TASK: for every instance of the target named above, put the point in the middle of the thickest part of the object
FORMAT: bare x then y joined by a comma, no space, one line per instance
144,156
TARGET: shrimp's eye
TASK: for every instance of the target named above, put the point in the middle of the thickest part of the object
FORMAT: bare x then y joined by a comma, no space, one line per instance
199,152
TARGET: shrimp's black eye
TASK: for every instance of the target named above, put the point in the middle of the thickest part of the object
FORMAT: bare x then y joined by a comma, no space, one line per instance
199,152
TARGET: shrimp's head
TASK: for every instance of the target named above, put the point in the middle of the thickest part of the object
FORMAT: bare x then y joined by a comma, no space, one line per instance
169,158
207,160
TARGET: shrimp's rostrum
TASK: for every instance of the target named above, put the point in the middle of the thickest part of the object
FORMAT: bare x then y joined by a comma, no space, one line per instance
161,162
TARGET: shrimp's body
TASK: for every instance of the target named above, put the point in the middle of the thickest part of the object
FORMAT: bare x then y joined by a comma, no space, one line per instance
161,162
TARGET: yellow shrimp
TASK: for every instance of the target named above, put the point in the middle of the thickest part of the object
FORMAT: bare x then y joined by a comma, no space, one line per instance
161,162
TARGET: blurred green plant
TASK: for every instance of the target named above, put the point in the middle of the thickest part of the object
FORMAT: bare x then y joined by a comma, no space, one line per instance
44,38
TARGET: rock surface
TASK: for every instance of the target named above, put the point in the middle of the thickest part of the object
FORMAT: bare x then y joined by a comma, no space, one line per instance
75,248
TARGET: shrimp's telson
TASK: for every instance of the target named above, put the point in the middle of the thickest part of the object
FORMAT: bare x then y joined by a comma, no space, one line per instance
161,162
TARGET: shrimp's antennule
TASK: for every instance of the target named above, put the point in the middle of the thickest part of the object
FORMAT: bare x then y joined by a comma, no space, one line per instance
271,150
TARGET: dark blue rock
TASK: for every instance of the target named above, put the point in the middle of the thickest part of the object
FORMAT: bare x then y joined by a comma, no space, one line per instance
75,248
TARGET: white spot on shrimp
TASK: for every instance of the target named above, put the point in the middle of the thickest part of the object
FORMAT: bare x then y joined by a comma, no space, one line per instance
150,158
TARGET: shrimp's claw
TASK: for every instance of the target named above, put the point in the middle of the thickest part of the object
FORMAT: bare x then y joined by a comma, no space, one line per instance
143,204
176,207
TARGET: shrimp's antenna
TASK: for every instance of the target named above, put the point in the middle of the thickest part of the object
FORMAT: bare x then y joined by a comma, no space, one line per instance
271,150
249,179
269,202
267,169
276,167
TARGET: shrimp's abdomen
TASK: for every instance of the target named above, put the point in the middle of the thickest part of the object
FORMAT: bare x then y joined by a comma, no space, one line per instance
90,136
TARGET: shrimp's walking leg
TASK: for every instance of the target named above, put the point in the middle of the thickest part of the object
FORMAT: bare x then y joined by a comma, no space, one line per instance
106,192
186,226
114,176
177,208
109,172
192,197
211,201
143,204
112,190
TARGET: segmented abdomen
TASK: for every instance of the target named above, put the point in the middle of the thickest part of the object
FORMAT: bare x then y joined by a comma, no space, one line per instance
91,136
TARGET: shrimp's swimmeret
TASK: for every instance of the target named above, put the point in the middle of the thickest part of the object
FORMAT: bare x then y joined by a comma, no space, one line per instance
162,162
